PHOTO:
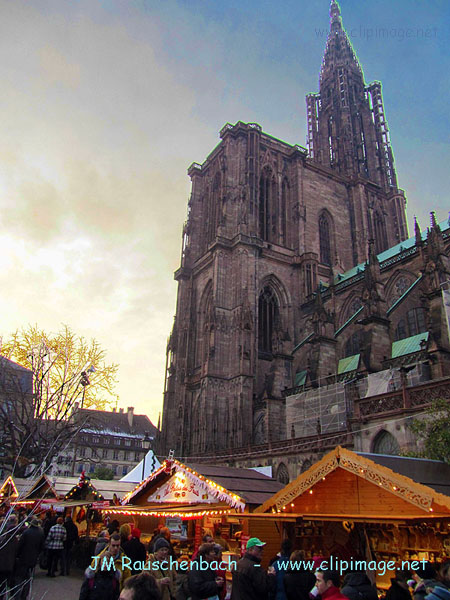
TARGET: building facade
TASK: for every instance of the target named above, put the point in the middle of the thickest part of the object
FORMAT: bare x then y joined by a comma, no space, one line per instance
295,268
113,440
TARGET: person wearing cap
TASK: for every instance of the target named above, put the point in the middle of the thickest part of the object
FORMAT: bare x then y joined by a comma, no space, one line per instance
164,534
439,593
31,544
135,549
159,566
250,581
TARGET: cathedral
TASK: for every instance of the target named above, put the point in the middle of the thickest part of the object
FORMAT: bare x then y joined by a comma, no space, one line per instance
299,292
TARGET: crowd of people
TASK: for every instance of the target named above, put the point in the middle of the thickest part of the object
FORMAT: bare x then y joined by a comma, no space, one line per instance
124,568
25,540
288,577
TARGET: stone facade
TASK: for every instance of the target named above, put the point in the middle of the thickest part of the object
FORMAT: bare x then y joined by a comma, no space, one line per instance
292,261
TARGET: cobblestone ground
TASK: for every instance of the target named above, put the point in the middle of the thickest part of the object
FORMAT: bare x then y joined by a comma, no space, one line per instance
56,588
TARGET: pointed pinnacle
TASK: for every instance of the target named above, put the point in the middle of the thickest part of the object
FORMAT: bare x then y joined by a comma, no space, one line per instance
433,219
417,233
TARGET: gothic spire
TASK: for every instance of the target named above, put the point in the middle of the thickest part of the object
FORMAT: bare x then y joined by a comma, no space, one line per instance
339,51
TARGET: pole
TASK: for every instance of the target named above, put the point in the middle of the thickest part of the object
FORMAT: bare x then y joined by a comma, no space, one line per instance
143,466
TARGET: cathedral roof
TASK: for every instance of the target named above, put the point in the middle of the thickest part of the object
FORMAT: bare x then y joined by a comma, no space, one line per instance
391,255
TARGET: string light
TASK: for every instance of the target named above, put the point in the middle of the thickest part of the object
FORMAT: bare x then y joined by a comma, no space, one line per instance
212,487
183,515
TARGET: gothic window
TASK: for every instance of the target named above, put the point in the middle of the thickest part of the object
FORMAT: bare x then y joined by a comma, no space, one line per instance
380,233
267,208
325,239
416,321
284,205
306,465
413,324
310,278
213,209
354,306
400,330
385,443
401,285
282,474
353,345
267,318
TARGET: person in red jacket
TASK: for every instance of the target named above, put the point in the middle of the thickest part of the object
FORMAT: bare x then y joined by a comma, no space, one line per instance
327,584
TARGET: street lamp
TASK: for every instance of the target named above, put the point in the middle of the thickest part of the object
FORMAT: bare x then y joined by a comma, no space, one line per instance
146,443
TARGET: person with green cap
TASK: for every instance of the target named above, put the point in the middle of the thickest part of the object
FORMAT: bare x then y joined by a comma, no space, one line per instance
250,581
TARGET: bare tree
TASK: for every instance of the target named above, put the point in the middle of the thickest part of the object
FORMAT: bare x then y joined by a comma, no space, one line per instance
43,378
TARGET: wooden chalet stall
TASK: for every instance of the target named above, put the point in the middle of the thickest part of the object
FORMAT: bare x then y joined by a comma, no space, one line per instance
73,496
194,499
351,505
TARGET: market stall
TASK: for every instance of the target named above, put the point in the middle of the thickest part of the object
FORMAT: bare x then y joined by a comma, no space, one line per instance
348,505
193,500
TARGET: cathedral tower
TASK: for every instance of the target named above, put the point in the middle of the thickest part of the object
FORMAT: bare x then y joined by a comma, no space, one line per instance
266,223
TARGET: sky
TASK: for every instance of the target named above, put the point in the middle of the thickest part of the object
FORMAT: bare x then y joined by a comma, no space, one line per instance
104,105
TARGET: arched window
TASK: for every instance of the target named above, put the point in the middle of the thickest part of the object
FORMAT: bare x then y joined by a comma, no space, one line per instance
353,345
380,233
385,443
306,465
310,278
325,239
416,321
282,474
413,324
283,209
355,304
213,209
267,208
267,318
400,331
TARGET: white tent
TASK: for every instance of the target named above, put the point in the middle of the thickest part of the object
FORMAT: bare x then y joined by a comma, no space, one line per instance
143,469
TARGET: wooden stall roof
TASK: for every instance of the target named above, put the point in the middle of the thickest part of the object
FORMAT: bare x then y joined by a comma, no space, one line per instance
231,485
388,490
59,487
251,485
433,473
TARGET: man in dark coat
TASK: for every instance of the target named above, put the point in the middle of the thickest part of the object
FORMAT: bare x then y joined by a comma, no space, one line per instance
71,539
135,549
357,586
31,544
298,580
202,578
250,582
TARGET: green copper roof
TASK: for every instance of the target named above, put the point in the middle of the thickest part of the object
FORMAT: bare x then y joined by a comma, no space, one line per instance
300,378
350,320
387,254
300,344
409,345
350,363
